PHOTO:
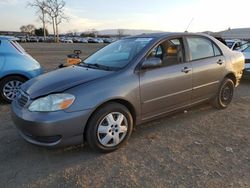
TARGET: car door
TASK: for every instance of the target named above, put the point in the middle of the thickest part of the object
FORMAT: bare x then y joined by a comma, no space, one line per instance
1,58
169,86
208,65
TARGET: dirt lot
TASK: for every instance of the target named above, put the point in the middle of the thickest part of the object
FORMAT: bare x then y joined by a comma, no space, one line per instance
203,147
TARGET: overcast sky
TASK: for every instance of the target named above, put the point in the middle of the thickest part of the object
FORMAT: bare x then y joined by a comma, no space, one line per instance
165,15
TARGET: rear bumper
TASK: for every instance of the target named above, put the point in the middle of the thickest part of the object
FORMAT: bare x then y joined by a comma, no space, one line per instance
55,129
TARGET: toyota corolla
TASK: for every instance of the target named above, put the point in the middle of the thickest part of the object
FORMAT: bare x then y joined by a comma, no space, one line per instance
128,82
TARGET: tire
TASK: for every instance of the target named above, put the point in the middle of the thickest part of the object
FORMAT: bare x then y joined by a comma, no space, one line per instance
9,87
224,95
105,133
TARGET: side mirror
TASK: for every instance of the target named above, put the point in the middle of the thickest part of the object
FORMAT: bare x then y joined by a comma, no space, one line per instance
152,62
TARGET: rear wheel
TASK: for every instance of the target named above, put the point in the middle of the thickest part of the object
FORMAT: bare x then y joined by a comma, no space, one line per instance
9,87
224,95
109,128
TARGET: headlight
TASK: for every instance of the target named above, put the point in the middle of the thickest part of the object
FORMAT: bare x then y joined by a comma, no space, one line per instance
53,102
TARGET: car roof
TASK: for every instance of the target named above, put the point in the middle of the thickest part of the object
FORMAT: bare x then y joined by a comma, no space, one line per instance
7,38
163,35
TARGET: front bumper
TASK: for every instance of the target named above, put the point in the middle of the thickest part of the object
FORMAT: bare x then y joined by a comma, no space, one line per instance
54,129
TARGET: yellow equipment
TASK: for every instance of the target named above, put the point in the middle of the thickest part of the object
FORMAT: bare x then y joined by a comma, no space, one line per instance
72,59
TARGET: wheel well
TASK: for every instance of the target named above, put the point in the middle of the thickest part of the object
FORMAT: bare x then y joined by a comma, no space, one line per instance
6,76
123,102
232,77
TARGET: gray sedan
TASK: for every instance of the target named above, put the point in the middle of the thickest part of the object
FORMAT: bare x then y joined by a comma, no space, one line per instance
128,82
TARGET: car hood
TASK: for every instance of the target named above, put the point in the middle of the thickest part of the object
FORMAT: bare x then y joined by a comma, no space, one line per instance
60,80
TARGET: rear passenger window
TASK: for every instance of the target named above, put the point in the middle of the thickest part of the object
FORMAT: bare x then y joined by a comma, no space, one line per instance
201,48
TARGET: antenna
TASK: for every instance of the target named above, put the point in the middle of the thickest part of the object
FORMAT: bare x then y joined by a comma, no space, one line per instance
189,24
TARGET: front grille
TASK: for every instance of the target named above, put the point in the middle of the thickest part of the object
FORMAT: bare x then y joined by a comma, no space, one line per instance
22,98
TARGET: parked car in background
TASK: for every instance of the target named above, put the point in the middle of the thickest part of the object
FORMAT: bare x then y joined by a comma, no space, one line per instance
76,39
68,40
108,40
91,40
22,39
16,67
33,39
95,40
83,40
40,39
61,39
128,82
246,53
50,39
99,40
236,44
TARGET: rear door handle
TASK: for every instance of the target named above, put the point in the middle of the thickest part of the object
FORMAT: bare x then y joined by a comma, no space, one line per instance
220,62
186,70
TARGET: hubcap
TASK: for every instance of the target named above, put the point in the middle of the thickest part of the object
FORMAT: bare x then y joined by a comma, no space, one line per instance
11,89
112,129
226,94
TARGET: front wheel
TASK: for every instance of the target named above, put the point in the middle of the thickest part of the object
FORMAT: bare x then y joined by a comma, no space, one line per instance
224,95
109,127
9,87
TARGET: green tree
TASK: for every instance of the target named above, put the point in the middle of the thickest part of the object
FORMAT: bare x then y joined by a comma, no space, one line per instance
40,32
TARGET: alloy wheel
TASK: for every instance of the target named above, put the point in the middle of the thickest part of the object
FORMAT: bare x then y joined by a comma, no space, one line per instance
11,89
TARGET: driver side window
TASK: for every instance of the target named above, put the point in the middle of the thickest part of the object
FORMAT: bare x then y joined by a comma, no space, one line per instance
169,51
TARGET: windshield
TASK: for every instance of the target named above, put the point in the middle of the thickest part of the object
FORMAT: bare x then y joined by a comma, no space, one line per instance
230,44
118,54
247,49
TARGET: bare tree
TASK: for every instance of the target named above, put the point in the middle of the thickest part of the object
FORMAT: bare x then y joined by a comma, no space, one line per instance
23,29
55,9
120,33
41,7
30,29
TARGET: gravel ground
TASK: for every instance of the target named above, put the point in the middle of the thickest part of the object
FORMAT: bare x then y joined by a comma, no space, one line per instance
202,147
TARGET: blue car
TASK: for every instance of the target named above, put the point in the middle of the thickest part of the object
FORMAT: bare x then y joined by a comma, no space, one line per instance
16,67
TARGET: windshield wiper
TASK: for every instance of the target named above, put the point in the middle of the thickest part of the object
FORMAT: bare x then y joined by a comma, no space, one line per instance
98,66
102,67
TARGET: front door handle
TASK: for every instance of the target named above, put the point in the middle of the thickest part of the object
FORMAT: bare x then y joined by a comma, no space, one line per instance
220,62
186,70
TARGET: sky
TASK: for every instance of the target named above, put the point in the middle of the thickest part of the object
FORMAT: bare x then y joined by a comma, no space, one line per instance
164,15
